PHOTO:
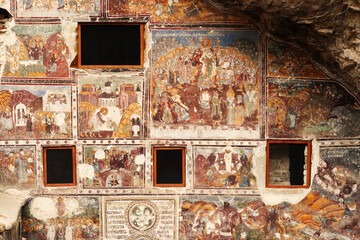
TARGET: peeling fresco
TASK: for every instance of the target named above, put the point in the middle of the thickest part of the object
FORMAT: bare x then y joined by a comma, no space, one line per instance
310,108
175,11
39,112
38,52
110,107
54,9
205,78
140,219
223,218
61,218
115,166
285,61
224,167
17,166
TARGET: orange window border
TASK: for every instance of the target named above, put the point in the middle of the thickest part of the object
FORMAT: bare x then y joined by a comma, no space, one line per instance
73,165
142,46
183,184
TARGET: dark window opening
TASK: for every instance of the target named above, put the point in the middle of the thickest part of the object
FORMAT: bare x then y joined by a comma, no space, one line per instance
110,45
288,163
59,166
169,167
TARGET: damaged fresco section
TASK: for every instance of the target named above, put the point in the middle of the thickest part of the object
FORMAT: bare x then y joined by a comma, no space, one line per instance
61,218
300,109
206,82
39,112
55,9
39,51
215,217
224,167
17,167
285,61
137,218
176,11
110,107
115,166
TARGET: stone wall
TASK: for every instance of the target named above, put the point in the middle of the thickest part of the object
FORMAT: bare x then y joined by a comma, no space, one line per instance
211,83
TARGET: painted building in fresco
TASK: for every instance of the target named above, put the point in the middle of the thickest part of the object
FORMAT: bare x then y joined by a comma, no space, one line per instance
219,89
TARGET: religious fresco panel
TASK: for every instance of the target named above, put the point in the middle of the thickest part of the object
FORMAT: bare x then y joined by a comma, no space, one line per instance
300,109
110,107
286,61
17,167
223,167
120,166
140,218
176,11
205,83
55,9
65,218
39,51
332,209
223,217
36,112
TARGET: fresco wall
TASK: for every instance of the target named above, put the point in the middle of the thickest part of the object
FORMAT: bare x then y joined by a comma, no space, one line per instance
39,112
299,108
203,81
38,52
211,83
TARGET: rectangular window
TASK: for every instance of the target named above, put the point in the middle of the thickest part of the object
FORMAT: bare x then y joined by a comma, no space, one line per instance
59,166
111,45
288,164
169,166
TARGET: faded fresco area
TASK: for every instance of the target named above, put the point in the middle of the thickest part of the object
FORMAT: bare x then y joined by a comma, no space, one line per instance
54,9
310,108
285,61
39,112
39,52
205,78
140,219
115,166
110,107
173,11
64,218
332,210
17,167
224,167
230,217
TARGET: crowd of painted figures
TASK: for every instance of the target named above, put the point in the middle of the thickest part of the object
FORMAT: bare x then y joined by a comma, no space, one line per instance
203,85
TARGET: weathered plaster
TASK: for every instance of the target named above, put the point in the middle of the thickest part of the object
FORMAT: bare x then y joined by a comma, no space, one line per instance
274,196
11,202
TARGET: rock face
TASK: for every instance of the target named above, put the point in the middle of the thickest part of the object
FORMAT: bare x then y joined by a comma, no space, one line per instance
328,31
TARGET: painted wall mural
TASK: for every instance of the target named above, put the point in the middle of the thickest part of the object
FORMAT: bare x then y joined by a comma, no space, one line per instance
115,166
110,107
64,218
54,9
17,166
285,61
223,167
137,218
332,210
39,112
171,11
215,217
40,51
310,108
205,80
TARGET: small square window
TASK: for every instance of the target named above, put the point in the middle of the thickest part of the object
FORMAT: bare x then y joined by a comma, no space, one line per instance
59,166
169,167
288,164
111,45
